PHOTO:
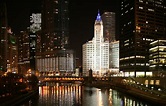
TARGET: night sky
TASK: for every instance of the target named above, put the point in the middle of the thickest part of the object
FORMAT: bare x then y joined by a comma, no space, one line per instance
82,16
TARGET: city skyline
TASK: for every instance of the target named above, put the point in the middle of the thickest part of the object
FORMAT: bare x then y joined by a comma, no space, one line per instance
81,15
40,66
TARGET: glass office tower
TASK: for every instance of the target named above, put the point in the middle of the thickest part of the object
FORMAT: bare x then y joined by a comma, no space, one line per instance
141,22
55,25
108,26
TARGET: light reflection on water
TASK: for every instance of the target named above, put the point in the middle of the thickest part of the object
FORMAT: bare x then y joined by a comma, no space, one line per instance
60,95
67,94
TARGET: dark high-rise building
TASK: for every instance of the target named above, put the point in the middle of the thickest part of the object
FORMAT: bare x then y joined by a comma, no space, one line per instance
141,21
35,26
55,25
12,53
55,55
108,26
26,53
3,36
23,52
8,47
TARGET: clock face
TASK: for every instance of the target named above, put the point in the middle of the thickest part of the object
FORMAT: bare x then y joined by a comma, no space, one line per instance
98,27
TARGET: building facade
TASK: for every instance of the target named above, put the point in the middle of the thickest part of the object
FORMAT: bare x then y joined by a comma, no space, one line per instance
23,52
54,38
63,63
96,51
12,53
35,27
8,46
114,55
3,37
142,21
55,25
108,19
157,57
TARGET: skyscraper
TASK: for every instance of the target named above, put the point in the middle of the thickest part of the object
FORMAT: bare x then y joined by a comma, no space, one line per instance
108,19
55,25
23,52
157,57
114,55
3,36
141,21
35,26
8,47
96,51
54,53
12,52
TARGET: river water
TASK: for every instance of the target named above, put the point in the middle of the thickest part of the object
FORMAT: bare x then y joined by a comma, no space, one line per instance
68,94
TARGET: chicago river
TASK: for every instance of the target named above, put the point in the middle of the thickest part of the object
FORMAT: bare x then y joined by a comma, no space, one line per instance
69,94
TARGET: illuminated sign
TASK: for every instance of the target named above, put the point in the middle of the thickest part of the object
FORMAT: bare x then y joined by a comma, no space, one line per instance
35,20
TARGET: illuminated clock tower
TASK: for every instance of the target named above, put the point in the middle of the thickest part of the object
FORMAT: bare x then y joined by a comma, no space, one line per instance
98,39
96,51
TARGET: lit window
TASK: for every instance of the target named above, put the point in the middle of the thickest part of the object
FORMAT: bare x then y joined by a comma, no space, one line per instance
140,7
141,1
131,8
126,11
150,9
56,1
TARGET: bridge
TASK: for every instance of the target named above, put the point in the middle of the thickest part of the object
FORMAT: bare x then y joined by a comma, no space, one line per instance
60,78
72,78
133,86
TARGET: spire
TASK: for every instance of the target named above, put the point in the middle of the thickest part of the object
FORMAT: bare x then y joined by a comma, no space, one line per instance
98,18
